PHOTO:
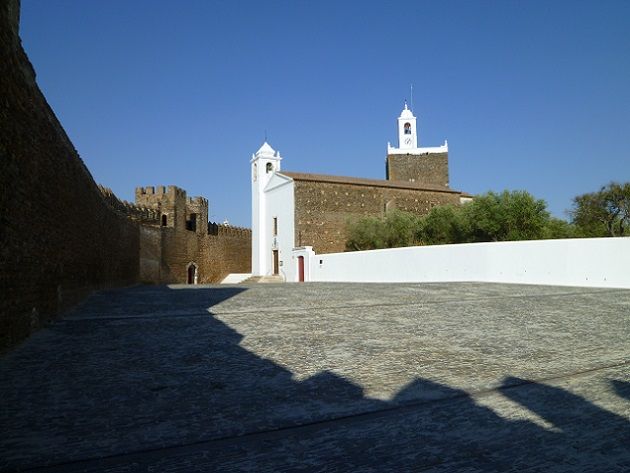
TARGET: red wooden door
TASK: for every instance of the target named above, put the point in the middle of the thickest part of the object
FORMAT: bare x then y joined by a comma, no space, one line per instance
301,268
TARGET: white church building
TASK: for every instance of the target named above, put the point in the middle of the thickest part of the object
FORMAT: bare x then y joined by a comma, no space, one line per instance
275,246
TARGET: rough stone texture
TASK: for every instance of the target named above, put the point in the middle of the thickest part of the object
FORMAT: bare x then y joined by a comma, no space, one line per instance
323,209
141,214
61,235
229,251
325,377
427,168
58,236
167,251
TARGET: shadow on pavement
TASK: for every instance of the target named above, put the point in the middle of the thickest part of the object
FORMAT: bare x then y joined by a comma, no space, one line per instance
622,388
157,393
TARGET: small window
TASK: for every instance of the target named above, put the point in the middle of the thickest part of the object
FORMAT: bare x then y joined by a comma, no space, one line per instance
269,167
407,128
191,224
164,220
275,226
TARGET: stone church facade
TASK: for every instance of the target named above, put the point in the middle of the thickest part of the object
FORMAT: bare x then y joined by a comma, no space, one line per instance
292,210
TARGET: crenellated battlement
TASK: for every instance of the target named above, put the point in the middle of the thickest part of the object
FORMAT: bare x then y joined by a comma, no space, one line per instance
221,229
158,196
129,209
160,190
170,197
198,201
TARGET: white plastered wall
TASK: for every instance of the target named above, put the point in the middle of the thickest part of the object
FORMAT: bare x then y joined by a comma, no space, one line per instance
279,198
590,262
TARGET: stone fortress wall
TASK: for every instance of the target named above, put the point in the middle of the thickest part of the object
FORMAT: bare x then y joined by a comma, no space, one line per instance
62,235
59,236
181,235
130,210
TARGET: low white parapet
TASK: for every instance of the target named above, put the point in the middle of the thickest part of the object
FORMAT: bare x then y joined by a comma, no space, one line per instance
589,262
427,150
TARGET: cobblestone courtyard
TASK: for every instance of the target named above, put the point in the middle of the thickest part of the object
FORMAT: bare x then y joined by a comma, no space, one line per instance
324,377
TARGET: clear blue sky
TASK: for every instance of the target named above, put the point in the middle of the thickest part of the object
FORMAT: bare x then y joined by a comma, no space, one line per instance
531,95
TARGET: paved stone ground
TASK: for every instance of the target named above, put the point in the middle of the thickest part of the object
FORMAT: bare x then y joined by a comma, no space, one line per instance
324,377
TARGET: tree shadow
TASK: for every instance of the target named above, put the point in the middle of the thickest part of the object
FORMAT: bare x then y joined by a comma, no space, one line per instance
179,387
622,388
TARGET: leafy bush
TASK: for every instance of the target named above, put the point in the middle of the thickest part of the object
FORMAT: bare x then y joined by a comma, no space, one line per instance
504,216
396,229
557,228
603,213
444,224
508,216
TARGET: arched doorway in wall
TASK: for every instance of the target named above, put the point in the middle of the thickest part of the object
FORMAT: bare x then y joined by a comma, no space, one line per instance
192,273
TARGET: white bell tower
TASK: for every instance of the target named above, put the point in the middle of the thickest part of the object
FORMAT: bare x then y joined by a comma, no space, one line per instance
407,133
264,163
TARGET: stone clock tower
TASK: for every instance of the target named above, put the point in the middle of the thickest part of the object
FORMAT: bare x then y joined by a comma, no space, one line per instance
410,163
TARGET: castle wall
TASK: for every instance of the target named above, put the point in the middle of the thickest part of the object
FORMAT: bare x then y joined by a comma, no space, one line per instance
59,238
230,251
423,169
323,209
216,255
150,254
179,248
167,251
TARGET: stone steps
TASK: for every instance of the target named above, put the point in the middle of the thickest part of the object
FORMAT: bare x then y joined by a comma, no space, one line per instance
263,279
236,278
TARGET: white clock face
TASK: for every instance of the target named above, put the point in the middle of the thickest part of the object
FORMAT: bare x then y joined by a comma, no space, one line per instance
407,141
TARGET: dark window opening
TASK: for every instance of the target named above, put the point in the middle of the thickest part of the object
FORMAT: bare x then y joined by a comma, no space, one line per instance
192,223
407,128
275,226
164,220
269,167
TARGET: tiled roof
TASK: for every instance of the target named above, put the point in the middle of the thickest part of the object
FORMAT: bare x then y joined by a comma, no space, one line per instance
359,181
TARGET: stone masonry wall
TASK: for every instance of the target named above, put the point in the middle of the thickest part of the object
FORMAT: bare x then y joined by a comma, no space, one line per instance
424,169
229,251
59,238
167,250
323,209
166,254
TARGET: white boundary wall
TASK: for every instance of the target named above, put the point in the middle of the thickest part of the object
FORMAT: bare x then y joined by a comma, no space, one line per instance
593,262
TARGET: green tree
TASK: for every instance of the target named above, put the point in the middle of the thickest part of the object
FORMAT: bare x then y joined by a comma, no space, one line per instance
557,228
508,216
603,213
396,229
443,225
505,216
